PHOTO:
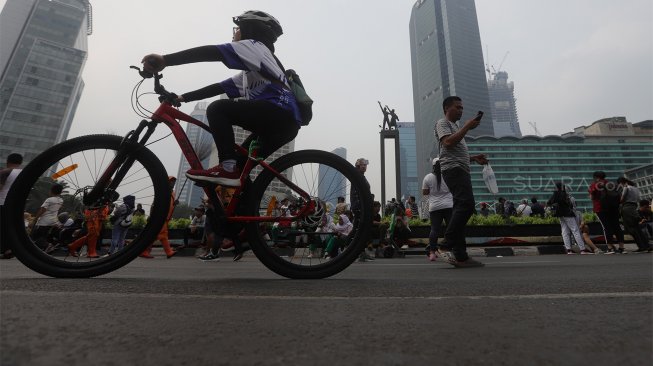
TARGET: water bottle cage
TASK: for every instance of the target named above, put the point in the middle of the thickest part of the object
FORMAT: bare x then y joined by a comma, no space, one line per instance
253,150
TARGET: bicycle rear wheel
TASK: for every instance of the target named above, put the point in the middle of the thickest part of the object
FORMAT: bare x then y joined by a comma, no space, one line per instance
298,252
78,164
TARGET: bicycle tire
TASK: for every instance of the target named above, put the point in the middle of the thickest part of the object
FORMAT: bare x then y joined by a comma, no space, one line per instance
304,168
88,154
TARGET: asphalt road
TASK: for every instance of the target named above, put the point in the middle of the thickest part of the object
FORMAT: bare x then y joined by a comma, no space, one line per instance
540,310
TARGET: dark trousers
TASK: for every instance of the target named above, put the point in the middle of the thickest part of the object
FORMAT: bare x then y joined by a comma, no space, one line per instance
630,218
273,125
459,182
437,217
4,243
610,222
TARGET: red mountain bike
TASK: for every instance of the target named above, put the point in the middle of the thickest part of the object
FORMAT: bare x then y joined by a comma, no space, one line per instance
97,170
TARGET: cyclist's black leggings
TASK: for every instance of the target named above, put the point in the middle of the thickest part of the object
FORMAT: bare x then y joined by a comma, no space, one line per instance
273,125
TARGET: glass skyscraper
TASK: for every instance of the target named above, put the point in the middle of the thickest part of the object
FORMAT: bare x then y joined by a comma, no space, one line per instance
529,166
410,182
504,108
447,59
203,144
330,175
43,46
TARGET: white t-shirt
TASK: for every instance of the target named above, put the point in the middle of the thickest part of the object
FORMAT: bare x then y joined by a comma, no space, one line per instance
49,217
438,199
254,82
524,210
5,187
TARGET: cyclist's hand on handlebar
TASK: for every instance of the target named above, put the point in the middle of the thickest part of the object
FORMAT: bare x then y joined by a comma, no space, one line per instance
153,63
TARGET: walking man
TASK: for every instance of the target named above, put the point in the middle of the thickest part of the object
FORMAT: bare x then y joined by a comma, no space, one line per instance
7,177
455,164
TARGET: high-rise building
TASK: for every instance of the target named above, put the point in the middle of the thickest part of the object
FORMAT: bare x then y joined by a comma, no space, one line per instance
447,59
504,108
529,166
410,184
43,47
202,142
330,175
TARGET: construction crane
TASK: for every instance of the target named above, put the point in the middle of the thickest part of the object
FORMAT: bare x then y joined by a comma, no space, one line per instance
534,125
491,74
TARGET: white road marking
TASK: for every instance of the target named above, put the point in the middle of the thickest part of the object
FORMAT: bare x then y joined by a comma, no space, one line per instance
590,295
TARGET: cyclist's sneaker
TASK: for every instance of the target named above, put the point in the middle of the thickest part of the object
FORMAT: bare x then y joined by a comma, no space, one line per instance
585,252
210,257
432,257
570,252
216,175
621,251
610,251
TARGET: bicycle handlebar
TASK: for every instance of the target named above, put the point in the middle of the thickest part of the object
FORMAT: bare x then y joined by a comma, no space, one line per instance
164,95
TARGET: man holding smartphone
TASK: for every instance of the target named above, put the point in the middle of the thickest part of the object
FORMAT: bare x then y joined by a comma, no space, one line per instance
455,164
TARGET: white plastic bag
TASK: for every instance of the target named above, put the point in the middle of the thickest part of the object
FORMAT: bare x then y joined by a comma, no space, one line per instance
490,179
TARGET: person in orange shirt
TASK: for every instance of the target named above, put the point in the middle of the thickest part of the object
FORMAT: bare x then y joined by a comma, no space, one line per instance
163,234
94,218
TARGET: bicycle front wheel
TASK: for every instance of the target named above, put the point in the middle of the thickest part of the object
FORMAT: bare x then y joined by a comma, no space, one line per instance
77,165
300,251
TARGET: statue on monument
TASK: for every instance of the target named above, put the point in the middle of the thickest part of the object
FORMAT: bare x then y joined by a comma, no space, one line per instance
390,118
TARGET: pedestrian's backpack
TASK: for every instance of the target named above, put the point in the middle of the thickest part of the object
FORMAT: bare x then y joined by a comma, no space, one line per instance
609,198
561,204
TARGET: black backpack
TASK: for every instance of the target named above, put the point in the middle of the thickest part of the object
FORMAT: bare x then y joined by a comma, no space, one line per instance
609,198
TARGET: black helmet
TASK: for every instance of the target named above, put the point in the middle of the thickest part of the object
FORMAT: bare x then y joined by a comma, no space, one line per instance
270,22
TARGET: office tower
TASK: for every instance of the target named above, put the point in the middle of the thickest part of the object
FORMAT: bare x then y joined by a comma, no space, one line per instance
43,47
529,166
504,108
447,59
202,142
330,176
410,183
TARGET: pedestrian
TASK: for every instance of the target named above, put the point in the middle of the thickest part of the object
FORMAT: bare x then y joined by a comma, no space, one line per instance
524,209
163,234
562,207
484,211
455,165
412,206
605,203
121,220
630,197
440,204
499,206
341,206
7,177
342,229
94,218
360,165
139,210
195,229
536,208
46,218
646,219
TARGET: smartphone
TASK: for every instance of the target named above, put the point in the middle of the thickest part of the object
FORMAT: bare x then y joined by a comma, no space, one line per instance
479,115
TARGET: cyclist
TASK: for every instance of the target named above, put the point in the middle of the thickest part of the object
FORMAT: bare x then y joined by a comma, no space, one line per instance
261,100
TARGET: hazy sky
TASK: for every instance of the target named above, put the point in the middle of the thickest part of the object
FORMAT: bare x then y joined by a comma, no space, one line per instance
572,62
